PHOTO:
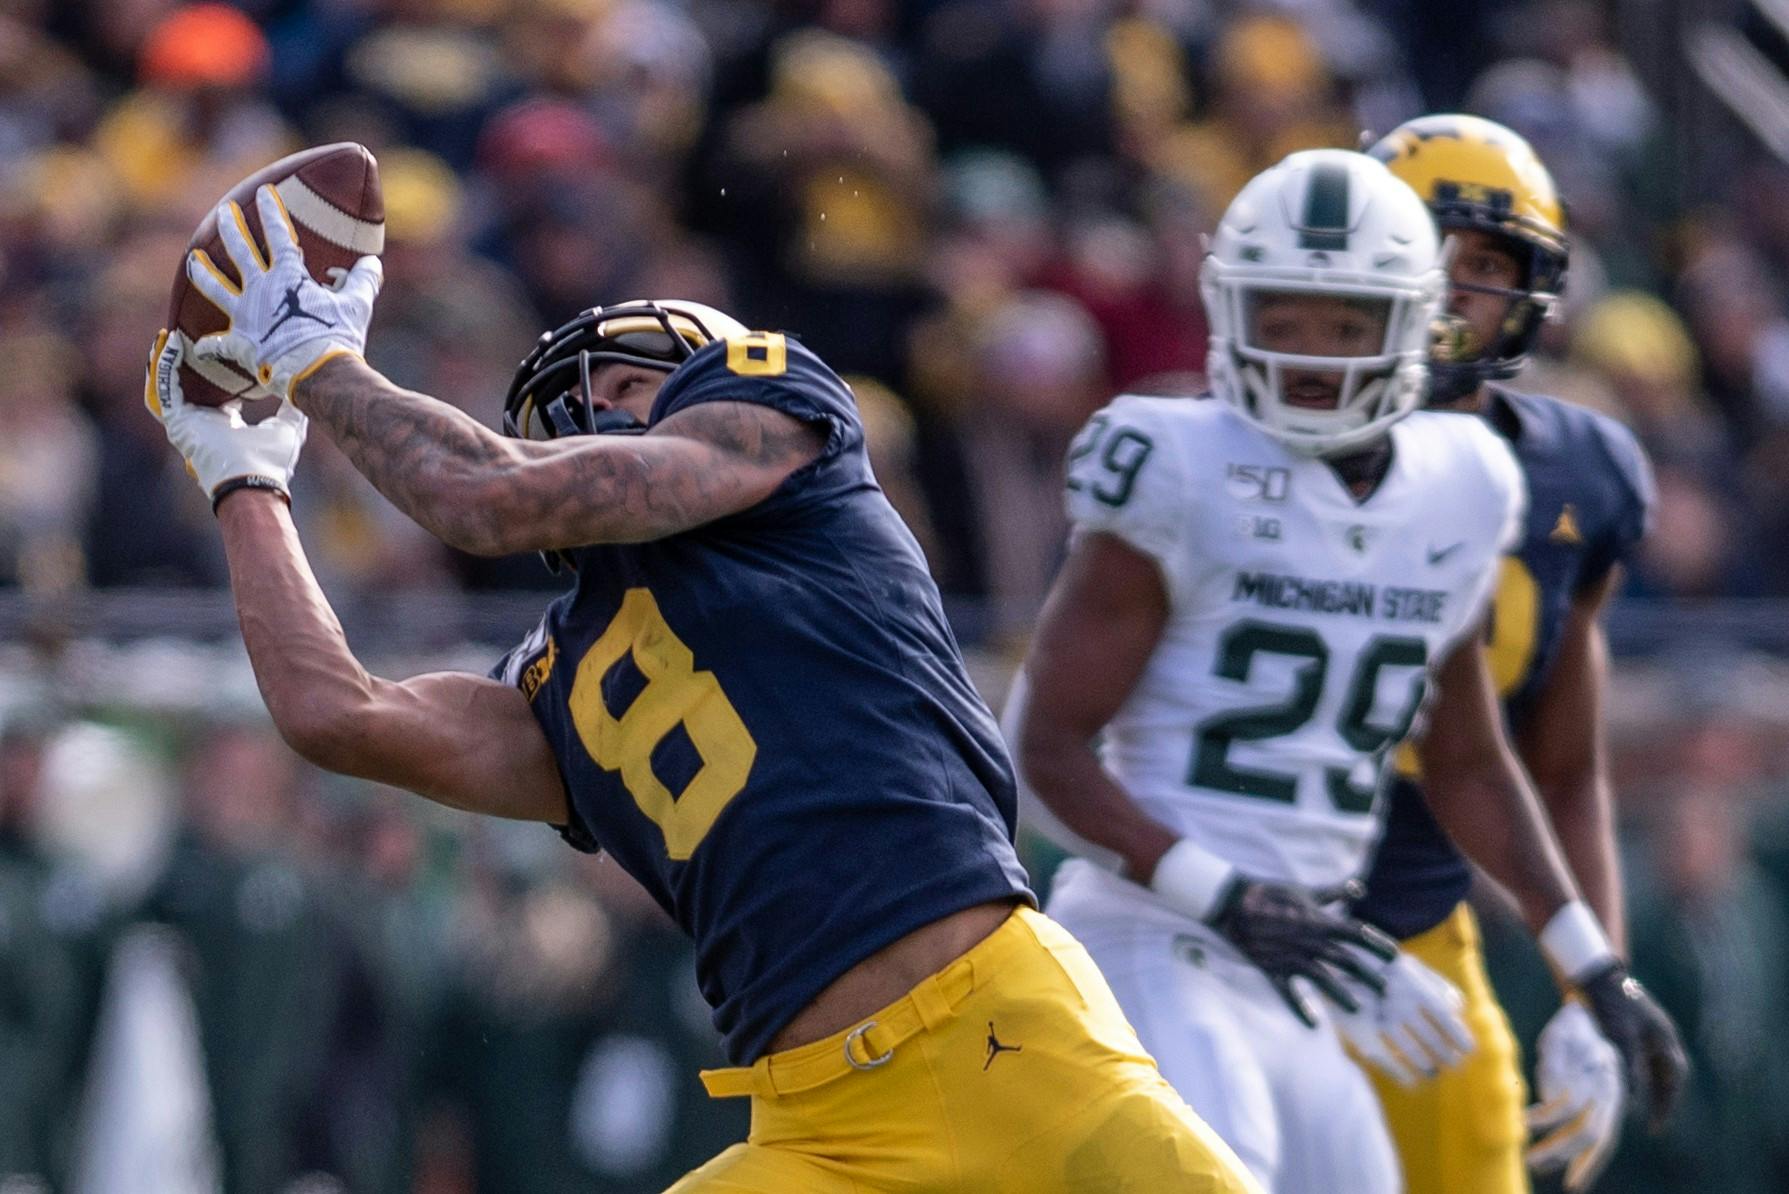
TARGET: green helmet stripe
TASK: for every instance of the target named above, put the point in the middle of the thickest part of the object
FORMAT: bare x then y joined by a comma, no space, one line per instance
1325,223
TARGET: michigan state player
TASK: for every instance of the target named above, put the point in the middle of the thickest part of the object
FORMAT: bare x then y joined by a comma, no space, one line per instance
1259,592
1589,502
750,698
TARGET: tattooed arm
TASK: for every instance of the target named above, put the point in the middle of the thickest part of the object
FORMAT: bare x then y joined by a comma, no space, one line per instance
491,495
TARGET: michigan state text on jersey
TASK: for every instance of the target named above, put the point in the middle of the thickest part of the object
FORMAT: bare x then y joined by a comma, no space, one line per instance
1302,622
1296,653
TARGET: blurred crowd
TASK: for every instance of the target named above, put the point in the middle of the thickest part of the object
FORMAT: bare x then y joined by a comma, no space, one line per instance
987,214
301,986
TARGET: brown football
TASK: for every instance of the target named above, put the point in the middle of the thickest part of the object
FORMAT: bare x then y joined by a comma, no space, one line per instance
332,193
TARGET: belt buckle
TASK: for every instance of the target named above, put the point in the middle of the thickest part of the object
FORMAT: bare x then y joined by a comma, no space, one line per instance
856,1034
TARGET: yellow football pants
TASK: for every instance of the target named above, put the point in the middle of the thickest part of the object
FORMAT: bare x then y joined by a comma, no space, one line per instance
1463,1132
1010,1071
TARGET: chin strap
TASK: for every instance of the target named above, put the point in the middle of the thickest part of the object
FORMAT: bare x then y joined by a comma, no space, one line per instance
1450,383
615,421
602,422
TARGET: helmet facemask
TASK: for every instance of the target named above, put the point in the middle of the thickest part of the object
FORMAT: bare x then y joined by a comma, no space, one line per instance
1476,175
1323,369
1472,360
551,396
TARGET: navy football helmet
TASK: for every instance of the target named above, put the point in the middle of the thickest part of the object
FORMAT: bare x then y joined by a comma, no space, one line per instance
550,395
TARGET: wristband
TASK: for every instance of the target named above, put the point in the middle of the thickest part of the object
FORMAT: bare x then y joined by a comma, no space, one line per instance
1575,944
1192,878
252,481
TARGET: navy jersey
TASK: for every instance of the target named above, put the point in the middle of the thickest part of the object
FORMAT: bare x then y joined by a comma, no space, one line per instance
1590,500
767,722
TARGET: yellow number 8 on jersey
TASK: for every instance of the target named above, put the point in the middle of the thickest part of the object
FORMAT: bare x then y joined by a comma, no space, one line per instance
674,694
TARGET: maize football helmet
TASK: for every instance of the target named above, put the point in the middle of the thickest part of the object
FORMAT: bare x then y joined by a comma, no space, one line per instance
1475,173
1333,224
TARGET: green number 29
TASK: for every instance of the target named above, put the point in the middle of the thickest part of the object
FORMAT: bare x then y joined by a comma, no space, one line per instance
1236,654
1115,460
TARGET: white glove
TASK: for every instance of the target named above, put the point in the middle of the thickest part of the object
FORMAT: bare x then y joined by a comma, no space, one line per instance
1412,1032
282,323
223,452
1581,1098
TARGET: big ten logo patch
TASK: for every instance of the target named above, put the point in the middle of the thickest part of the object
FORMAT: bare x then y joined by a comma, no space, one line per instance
1259,526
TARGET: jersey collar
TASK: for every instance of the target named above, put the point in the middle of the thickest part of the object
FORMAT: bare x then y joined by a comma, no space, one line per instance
1504,415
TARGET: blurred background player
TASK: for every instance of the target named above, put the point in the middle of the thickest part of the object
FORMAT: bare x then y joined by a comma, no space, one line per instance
750,699
1258,593
1590,497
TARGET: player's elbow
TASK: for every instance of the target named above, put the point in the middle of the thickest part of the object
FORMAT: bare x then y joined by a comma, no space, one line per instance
486,542
326,732
505,532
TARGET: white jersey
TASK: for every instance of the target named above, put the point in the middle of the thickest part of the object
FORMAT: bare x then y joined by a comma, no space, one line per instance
1302,623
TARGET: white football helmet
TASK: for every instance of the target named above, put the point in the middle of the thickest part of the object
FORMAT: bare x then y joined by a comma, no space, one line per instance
1336,224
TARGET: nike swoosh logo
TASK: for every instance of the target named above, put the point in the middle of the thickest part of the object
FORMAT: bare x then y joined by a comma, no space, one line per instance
1435,557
